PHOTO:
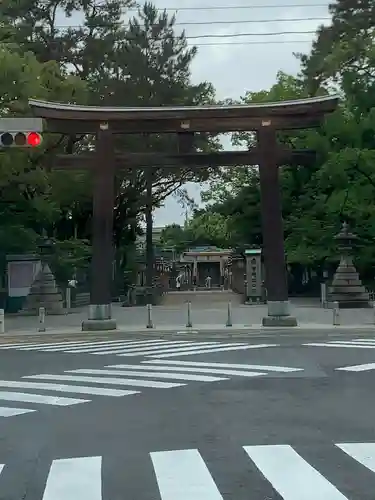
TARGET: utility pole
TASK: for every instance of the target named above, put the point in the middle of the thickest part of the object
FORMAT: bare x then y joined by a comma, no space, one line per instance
149,227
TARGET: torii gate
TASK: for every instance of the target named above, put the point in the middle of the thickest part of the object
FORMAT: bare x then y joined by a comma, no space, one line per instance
264,119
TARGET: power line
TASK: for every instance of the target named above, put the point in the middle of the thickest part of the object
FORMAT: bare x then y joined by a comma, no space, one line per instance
205,23
212,8
244,7
235,35
267,42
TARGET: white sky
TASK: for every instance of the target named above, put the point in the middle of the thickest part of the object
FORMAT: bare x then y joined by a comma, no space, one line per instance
244,65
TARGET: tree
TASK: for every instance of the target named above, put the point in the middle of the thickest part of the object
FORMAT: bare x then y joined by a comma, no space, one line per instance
175,236
142,62
25,191
342,55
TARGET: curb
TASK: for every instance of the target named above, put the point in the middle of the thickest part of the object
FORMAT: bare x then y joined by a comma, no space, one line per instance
226,332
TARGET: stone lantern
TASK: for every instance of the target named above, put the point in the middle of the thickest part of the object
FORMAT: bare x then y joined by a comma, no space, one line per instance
346,287
44,291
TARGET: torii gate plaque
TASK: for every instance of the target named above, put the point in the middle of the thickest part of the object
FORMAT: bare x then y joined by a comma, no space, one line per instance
265,119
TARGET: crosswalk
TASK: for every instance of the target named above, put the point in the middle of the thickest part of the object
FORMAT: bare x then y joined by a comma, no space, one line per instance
367,343
149,348
119,380
266,471
366,367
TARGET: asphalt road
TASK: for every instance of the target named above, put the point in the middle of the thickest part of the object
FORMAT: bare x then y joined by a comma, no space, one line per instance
282,421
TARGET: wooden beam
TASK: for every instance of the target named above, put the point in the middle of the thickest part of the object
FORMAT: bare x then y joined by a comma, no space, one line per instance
178,160
171,126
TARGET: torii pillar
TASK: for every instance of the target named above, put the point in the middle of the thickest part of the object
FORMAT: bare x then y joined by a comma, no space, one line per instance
272,229
100,314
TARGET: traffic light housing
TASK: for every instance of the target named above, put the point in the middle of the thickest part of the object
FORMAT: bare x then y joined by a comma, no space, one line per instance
20,132
20,139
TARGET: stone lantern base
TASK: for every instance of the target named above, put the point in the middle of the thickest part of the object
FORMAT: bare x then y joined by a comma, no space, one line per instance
347,288
44,293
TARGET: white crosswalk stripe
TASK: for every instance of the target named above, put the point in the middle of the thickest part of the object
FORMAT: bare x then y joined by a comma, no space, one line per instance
74,478
186,474
118,381
345,344
130,348
357,368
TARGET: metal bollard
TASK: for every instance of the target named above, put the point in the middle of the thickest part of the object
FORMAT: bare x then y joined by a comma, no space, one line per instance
68,299
189,323
2,321
42,318
373,316
149,316
229,318
336,313
323,294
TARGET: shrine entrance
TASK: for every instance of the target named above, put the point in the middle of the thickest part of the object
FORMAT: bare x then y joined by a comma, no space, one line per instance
264,119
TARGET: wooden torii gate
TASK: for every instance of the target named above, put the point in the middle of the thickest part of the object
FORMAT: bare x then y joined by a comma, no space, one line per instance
264,119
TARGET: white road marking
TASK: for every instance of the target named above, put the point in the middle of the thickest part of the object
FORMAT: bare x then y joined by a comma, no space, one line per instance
144,348
357,368
197,350
134,373
222,371
83,345
78,389
107,380
6,411
118,345
75,479
283,369
346,345
152,350
291,476
39,398
364,453
183,475
34,344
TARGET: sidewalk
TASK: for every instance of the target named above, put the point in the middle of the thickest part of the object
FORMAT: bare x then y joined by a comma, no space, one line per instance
246,319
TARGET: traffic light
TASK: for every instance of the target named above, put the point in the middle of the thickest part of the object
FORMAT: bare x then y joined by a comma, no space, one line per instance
20,139
21,132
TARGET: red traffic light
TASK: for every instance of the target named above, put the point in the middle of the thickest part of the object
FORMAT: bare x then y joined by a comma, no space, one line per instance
34,139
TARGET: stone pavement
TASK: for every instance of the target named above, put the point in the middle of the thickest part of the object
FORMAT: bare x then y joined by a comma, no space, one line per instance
209,319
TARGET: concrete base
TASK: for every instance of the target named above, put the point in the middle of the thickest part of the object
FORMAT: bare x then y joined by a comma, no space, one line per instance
285,321
98,325
100,319
278,314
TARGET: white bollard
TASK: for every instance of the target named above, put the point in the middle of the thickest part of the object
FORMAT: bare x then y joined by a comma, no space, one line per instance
229,317
149,316
323,294
373,316
2,321
336,313
189,323
42,318
68,299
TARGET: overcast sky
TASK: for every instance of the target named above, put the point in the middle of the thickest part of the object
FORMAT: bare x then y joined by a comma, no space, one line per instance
242,63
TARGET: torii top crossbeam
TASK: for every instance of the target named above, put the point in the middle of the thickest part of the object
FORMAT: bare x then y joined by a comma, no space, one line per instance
296,114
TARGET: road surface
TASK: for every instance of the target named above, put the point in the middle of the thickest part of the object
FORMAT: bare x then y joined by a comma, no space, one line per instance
283,418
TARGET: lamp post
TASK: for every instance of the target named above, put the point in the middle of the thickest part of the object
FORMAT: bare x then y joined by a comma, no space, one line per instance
45,250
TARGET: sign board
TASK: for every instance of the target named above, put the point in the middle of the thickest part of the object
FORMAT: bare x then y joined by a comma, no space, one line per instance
21,124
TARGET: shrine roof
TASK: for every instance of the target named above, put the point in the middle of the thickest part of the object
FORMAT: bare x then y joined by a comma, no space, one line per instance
187,118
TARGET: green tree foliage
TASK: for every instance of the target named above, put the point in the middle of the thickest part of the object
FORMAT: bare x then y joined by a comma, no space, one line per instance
205,228
25,189
316,199
125,60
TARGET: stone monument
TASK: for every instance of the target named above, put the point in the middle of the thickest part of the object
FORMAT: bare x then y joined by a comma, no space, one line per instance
44,291
346,287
